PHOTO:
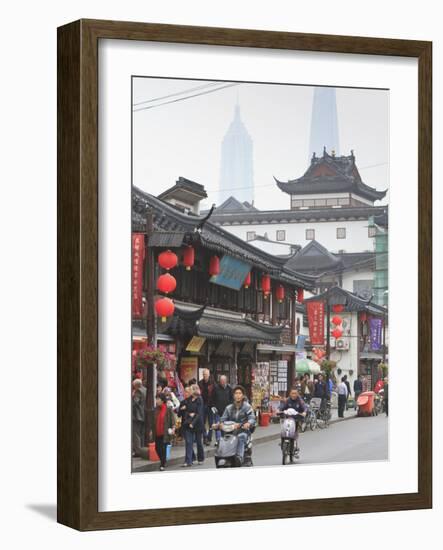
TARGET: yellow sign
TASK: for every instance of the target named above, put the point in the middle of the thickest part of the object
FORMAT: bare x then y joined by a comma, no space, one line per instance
195,344
188,368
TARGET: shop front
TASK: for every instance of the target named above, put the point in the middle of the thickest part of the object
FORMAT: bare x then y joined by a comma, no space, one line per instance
227,344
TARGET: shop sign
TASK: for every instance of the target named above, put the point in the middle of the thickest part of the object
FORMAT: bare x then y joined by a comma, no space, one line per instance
138,255
195,344
188,368
316,320
232,273
301,338
375,333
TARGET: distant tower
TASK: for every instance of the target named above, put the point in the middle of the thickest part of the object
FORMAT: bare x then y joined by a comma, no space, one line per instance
236,174
324,125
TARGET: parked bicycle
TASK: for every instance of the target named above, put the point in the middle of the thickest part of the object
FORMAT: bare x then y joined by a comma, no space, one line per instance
310,420
324,414
378,403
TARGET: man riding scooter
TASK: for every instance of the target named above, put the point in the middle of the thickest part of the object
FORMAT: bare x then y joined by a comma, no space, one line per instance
295,402
242,414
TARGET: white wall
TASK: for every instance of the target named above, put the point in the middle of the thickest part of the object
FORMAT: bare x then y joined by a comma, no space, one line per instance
356,240
272,247
28,463
350,276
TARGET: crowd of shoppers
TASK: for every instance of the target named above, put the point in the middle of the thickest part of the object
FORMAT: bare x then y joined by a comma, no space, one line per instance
205,403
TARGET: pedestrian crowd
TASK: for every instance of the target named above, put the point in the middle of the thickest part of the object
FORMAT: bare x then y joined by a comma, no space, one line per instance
206,403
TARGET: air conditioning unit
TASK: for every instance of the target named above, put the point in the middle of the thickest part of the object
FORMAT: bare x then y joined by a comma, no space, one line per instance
341,343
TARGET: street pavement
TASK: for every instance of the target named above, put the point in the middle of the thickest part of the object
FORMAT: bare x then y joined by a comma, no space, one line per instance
356,439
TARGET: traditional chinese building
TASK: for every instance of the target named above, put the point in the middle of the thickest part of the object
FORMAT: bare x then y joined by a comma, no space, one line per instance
235,305
361,343
329,203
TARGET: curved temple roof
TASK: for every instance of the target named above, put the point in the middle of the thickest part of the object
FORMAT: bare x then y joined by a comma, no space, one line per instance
331,174
337,295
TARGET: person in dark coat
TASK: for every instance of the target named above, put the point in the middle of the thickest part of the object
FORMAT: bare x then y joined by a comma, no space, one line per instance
192,411
320,389
358,388
206,387
138,416
163,428
221,397
348,386
386,396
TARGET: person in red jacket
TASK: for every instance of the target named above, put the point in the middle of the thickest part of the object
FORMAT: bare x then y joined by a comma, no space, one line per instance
379,385
163,429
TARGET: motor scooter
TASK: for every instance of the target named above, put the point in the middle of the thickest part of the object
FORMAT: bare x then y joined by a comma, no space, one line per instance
226,451
289,435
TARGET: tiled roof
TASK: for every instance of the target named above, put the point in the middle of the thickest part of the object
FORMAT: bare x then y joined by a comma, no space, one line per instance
351,302
217,324
186,185
314,257
167,218
343,176
302,215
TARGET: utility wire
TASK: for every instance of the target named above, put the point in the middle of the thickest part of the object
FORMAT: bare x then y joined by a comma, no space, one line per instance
184,98
176,93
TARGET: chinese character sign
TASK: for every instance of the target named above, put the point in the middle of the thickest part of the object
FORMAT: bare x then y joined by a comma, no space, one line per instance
232,273
138,255
375,333
316,321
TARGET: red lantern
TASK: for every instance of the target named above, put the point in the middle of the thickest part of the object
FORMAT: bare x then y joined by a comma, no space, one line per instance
266,285
337,332
337,320
167,260
247,282
166,283
300,295
188,257
338,308
363,316
164,308
214,266
280,293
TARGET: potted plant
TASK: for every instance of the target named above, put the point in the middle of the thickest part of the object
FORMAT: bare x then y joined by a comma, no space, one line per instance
384,369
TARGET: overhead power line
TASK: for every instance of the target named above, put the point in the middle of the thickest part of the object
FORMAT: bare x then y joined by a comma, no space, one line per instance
184,98
207,85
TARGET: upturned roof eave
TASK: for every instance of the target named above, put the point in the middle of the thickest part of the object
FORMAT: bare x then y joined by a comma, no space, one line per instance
218,239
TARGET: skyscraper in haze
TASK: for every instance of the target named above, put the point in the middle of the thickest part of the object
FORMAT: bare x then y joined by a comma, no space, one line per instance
236,172
324,124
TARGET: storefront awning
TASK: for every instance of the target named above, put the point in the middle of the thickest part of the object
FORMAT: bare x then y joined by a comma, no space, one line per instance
371,355
283,348
216,324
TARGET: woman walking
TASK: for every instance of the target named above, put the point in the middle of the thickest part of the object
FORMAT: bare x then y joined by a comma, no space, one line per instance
192,411
164,427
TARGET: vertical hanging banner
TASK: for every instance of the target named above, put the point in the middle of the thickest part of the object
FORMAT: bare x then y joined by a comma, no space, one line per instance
316,321
138,256
375,333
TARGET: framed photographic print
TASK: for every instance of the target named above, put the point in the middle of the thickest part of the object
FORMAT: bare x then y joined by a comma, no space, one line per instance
244,275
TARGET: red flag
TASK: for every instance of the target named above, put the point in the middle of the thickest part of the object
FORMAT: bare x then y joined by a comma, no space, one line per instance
316,321
138,255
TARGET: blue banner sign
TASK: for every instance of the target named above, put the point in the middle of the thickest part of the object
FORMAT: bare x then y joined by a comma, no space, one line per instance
300,342
375,333
232,273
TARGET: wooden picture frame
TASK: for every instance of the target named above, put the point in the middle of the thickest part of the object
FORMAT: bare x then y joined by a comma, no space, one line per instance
77,480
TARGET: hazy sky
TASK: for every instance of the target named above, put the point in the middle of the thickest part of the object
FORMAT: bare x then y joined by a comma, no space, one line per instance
184,138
